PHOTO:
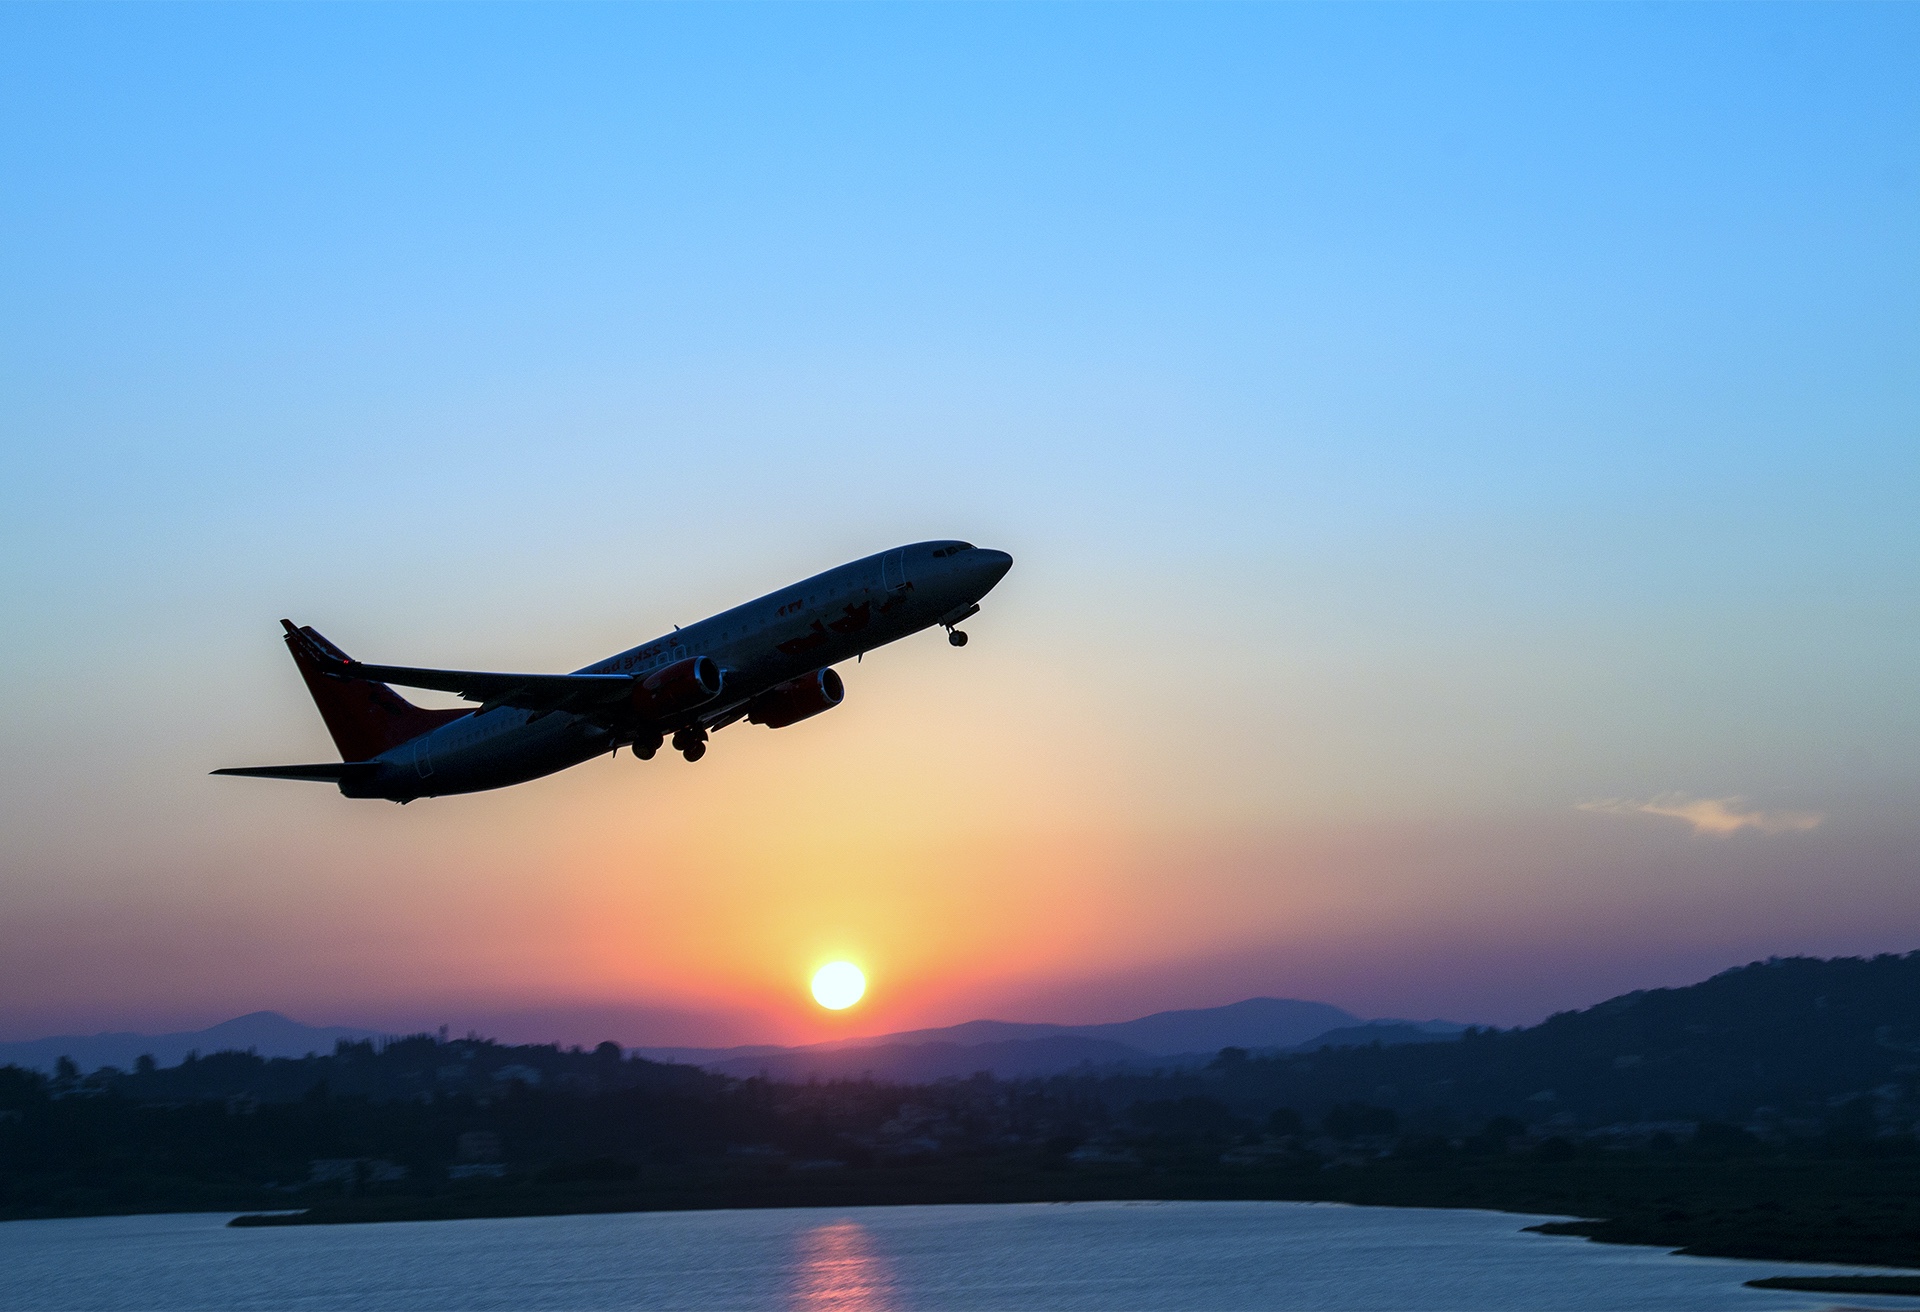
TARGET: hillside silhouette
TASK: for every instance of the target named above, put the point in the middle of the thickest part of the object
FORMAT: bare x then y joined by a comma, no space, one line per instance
1786,1041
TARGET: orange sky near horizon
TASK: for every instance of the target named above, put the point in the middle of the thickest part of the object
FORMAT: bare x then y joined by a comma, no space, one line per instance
978,839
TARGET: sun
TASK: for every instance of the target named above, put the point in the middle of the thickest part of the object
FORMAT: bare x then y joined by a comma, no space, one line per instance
838,985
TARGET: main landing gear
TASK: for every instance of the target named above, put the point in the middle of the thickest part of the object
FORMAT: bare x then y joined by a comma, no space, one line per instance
690,743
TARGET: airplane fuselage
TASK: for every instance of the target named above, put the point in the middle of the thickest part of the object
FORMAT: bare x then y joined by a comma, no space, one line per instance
758,647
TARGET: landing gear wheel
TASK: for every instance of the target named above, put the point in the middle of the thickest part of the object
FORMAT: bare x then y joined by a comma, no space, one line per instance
645,749
694,751
956,637
691,743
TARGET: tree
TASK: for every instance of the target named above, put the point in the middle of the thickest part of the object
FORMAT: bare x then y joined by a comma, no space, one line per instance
1284,1120
1353,1120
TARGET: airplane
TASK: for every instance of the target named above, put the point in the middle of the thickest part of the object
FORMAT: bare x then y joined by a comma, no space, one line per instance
769,662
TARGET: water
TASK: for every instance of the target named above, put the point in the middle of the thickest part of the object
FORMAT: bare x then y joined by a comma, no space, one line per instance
1115,1257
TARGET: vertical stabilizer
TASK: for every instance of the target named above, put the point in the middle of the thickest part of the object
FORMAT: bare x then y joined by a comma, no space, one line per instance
364,718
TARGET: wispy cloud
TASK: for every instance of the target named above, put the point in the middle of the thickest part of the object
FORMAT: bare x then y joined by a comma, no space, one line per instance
1716,816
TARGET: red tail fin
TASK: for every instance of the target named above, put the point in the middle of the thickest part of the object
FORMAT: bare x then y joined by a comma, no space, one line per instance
365,718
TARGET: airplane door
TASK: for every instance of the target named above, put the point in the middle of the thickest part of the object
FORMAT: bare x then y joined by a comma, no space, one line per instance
423,755
893,571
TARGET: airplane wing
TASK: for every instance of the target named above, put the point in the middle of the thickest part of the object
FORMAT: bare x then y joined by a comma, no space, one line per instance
530,692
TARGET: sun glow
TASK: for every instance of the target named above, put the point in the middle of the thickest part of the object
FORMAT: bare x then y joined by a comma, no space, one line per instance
838,985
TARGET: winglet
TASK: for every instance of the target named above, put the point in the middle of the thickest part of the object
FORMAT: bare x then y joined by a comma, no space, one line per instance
307,641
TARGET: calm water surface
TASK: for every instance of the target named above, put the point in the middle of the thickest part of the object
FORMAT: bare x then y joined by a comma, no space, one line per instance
1108,1256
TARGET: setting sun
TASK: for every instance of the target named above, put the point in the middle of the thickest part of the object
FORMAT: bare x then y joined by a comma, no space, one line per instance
838,985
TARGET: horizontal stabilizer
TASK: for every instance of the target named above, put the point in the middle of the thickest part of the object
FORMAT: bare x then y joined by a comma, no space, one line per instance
331,772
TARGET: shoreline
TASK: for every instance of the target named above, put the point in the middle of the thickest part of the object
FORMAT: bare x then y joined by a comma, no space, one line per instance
1861,1212
1765,1215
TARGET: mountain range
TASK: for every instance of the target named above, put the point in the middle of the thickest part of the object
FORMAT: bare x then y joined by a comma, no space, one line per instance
1005,1048
266,1032
1011,1049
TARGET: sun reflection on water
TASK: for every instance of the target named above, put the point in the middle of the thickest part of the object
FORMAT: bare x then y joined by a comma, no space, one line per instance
838,1269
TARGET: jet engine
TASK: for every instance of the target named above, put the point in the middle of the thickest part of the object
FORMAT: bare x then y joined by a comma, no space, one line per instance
678,688
796,699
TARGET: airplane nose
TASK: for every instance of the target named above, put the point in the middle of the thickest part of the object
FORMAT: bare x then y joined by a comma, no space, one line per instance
993,565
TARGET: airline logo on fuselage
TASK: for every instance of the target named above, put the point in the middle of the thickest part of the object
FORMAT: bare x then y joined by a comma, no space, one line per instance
661,653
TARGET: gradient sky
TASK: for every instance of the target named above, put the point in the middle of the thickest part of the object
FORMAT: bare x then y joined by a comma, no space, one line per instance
1461,463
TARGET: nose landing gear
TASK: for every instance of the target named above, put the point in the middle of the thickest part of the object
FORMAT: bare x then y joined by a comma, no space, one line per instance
691,743
953,617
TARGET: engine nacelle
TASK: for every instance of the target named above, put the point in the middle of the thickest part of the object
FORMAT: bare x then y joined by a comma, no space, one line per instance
678,688
796,699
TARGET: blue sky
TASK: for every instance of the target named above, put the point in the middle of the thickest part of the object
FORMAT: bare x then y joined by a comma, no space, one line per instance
1413,419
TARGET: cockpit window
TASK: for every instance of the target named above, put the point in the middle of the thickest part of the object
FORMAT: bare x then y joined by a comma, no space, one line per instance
952,549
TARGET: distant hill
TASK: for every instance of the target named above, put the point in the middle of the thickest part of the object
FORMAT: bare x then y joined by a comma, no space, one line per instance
1016,1048
1387,1033
1255,1023
918,1063
1367,1034
266,1032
